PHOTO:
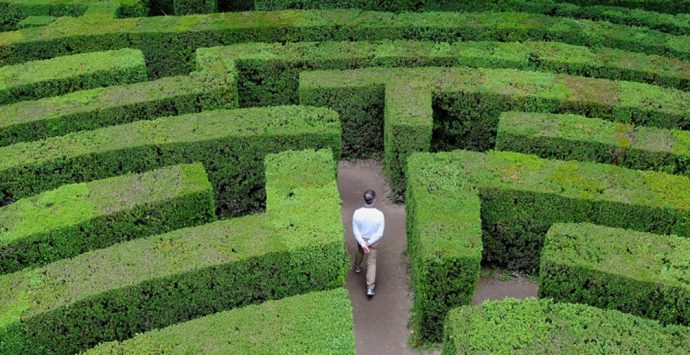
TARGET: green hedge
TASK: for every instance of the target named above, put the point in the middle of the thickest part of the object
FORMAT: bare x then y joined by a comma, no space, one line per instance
169,42
99,107
61,75
35,21
467,104
634,17
188,7
444,244
77,218
522,196
76,8
633,272
267,74
230,143
317,322
10,17
670,6
545,327
571,137
153,282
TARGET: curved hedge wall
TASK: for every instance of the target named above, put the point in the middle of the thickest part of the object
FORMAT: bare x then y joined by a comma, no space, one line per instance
633,272
573,137
294,248
230,143
74,219
515,198
544,326
169,42
317,322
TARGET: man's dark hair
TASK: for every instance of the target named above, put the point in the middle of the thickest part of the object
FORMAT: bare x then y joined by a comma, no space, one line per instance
369,196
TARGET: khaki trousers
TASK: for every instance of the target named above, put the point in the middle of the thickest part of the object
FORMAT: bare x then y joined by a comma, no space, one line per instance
371,263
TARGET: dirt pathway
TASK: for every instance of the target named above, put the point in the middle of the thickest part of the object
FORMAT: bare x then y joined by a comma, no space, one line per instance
381,322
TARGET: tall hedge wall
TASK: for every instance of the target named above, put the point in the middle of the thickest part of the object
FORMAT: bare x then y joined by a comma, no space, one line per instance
317,322
169,42
52,77
572,137
444,244
230,143
467,103
157,281
95,108
544,326
551,7
267,74
633,272
77,218
521,197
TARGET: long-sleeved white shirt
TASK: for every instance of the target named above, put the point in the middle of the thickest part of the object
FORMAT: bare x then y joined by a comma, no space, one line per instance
367,225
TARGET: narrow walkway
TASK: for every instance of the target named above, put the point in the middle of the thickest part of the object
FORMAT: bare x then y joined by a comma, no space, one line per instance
381,323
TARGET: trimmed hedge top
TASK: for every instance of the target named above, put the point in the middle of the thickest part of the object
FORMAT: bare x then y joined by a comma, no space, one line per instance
94,108
570,179
305,224
620,100
317,322
191,32
641,256
543,326
569,137
74,218
639,273
230,143
61,75
267,73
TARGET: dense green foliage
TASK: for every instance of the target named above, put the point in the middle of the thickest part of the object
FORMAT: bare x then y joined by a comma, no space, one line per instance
148,283
521,197
444,246
62,75
314,323
549,7
94,108
77,218
571,137
230,143
633,272
10,16
545,327
467,104
267,74
188,7
169,42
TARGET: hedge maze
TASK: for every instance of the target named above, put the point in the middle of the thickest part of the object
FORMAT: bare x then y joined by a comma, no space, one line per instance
168,171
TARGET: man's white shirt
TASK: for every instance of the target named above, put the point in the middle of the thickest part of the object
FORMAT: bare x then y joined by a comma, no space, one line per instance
367,225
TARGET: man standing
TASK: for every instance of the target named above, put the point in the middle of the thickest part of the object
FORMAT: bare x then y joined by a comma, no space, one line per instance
367,226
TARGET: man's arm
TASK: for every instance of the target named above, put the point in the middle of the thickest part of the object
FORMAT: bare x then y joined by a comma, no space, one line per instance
357,232
379,232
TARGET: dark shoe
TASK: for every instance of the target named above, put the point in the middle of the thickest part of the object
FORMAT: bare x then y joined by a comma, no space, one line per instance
358,270
370,292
